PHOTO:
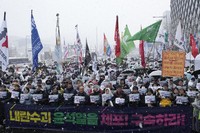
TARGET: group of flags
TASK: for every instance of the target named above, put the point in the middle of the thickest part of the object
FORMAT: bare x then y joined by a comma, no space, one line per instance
123,47
181,41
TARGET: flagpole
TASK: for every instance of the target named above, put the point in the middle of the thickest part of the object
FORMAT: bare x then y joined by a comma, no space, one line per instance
4,18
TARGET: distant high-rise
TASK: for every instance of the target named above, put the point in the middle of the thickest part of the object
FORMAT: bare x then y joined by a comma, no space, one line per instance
188,11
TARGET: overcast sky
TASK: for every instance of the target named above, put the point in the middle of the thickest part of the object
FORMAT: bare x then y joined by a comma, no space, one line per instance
94,17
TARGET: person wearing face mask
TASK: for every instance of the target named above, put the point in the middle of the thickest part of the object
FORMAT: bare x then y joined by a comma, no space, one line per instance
81,98
164,96
107,98
48,86
15,94
44,99
120,98
96,95
142,90
136,101
151,103
69,92
182,98
25,97
55,98
5,94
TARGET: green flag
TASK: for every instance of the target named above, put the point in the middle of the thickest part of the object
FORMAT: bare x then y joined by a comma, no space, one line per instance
126,47
148,34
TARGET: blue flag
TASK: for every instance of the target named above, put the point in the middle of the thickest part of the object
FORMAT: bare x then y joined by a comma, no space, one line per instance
36,43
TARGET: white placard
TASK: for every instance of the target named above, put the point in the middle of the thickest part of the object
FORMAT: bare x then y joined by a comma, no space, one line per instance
198,86
52,98
78,99
181,99
3,94
192,93
106,97
93,99
113,82
24,96
119,100
37,97
154,88
142,91
134,97
165,94
67,96
15,94
32,91
127,91
150,99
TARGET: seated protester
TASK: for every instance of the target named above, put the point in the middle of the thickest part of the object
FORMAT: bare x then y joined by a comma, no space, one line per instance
120,99
54,98
107,98
69,92
134,97
182,98
15,94
30,87
191,93
81,98
164,96
101,79
48,86
88,87
39,96
123,84
196,104
79,83
142,90
150,99
4,94
171,84
25,97
95,96
134,83
110,86
155,87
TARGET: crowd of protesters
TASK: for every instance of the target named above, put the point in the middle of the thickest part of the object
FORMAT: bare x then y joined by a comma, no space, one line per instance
105,86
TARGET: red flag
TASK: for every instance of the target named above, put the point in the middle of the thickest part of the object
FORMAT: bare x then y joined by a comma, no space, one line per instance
194,48
117,39
141,48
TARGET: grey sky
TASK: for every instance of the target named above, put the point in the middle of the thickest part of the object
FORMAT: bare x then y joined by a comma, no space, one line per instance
90,15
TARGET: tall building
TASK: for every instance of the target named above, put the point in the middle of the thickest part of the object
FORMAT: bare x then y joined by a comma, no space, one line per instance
188,11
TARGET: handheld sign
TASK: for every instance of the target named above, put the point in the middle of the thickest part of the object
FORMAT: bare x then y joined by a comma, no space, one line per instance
119,100
106,97
37,97
165,94
181,100
53,98
127,91
134,97
150,99
192,93
67,96
23,97
78,99
3,94
14,94
94,99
